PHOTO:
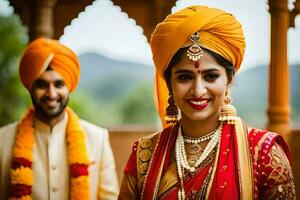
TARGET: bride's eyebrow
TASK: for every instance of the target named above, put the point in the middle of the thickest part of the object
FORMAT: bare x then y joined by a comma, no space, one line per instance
203,71
183,71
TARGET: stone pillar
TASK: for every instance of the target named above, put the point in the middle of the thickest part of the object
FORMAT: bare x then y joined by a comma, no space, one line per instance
279,89
41,20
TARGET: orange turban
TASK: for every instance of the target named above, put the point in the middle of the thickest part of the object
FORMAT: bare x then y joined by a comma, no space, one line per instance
219,32
42,53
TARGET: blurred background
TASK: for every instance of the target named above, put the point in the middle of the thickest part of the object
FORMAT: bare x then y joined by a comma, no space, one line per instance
117,72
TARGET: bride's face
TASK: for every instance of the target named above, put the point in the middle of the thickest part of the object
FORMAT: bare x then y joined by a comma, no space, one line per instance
199,91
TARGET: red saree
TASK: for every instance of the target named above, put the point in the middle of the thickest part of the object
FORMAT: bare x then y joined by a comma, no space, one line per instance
215,180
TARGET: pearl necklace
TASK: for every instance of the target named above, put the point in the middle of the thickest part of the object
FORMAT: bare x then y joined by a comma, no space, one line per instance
181,158
191,140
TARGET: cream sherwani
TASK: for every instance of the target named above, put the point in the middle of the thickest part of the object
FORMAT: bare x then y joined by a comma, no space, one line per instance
50,166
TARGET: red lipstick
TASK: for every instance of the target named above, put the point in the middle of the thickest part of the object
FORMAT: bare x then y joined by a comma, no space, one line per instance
198,103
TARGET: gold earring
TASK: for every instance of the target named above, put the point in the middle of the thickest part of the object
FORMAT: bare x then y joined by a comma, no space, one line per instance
228,98
228,111
171,110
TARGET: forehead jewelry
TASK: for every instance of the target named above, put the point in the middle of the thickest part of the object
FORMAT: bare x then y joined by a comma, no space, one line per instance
195,52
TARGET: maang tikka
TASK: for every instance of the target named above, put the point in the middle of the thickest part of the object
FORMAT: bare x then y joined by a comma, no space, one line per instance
195,52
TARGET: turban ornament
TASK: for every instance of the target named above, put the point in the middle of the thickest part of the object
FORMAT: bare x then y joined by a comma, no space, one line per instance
195,52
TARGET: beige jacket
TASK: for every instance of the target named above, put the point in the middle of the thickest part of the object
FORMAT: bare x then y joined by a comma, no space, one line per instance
50,167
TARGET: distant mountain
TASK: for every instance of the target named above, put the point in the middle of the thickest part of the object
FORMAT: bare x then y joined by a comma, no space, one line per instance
108,78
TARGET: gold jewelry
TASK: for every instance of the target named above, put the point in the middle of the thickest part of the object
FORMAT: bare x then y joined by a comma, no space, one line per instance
194,149
197,140
195,52
228,98
181,157
228,111
192,160
171,111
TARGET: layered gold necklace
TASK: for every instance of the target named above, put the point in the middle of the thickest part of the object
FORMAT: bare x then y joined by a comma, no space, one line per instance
193,162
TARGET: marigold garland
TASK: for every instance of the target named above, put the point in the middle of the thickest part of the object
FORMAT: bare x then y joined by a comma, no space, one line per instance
21,177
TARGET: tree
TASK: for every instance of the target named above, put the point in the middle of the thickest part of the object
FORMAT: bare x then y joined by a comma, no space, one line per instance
138,107
13,100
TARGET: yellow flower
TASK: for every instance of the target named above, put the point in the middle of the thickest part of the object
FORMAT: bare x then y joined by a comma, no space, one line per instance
19,153
22,198
22,175
80,188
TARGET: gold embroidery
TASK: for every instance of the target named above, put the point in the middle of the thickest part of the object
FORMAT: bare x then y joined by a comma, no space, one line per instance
279,184
143,168
145,150
192,195
145,155
146,143
282,192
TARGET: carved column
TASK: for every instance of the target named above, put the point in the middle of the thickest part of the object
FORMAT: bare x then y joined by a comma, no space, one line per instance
279,108
41,24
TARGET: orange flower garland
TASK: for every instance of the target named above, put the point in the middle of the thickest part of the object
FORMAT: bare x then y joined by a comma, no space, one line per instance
21,175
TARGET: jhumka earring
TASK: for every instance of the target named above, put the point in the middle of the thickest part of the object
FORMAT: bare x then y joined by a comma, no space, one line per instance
195,52
228,111
171,110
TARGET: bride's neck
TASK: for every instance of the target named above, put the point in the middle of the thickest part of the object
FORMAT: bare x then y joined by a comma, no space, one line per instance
198,128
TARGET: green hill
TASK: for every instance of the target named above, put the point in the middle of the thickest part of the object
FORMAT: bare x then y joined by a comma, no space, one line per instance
112,92
109,79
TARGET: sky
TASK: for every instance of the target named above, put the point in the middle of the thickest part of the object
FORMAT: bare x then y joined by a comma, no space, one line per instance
104,28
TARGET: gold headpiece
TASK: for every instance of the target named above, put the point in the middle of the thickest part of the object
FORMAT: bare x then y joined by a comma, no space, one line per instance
195,52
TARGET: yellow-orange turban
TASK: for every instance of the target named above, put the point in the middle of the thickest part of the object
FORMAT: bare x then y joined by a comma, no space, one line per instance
219,32
42,53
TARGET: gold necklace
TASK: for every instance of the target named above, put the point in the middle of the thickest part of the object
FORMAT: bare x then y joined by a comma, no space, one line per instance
181,157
